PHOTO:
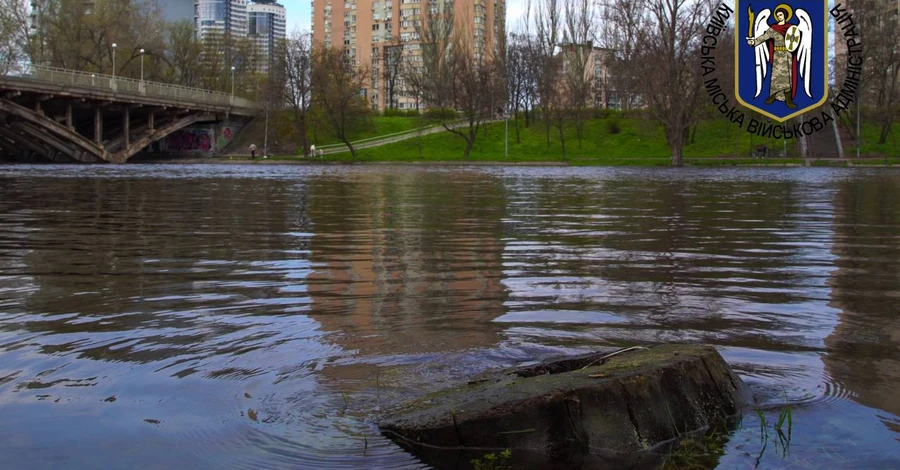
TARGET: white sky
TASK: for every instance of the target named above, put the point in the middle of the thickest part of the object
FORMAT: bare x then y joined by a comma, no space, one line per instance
299,13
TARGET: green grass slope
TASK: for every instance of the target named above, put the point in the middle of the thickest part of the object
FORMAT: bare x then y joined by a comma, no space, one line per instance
605,141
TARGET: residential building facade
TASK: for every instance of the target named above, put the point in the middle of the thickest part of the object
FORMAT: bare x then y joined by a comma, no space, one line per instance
266,26
384,34
220,18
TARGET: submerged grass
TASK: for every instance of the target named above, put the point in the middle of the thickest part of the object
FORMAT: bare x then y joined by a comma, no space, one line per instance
493,461
693,451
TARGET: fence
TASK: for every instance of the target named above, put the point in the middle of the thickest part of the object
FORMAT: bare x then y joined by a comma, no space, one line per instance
59,76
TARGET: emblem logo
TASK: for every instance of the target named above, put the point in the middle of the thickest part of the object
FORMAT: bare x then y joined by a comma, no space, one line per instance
781,56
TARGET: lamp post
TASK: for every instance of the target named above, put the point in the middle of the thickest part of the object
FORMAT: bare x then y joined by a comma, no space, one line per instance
506,136
114,46
142,65
232,84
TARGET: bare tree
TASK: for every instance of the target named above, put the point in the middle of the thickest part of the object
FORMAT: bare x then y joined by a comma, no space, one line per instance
622,23
221,52
392,61
79,35
548,24
338,93
297,64
880,30
455,77
659,52
517,68
14,35
579,60
183,54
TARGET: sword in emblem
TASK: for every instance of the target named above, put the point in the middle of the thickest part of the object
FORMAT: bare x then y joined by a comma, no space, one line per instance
750,14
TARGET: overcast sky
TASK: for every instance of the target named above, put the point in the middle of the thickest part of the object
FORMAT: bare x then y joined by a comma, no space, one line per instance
299,13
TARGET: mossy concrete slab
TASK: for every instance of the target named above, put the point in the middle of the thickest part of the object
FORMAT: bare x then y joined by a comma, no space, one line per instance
624,403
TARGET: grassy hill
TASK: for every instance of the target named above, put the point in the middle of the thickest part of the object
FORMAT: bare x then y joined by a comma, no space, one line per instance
606,141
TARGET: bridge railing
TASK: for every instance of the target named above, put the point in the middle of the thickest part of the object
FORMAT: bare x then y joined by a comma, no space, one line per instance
104,82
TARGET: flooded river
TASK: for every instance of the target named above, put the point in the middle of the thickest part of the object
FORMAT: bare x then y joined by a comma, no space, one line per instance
263,316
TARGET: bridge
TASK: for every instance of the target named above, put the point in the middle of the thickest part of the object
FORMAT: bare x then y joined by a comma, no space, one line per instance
66,115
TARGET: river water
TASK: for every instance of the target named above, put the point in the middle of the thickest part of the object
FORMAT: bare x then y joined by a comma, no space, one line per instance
263,316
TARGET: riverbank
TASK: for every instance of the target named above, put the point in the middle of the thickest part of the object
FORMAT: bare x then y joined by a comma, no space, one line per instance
865,161
608,139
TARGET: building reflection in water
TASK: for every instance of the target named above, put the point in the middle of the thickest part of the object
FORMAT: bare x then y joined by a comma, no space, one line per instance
117,281
406,265
864,349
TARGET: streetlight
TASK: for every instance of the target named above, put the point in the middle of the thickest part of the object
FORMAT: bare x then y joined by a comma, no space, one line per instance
506,137
114,46
142,65
232,84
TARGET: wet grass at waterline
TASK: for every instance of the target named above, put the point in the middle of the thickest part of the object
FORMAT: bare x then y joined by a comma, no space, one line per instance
703,450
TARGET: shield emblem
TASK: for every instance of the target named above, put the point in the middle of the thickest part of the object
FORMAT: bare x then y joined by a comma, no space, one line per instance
792,38
781,56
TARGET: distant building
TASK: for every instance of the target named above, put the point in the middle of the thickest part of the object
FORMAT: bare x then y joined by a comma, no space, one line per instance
266,26
884,10
371,32
217,18
596,72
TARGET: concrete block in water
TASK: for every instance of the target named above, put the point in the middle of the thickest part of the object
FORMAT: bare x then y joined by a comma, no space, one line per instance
592,404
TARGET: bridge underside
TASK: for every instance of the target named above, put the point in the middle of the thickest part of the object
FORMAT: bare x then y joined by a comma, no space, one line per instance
36,127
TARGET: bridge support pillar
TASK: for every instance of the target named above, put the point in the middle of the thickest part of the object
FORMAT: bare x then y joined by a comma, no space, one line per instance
37,107
98,126
127,126
69,117
150,121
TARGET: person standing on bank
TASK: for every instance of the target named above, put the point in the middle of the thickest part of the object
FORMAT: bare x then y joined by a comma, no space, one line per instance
253,151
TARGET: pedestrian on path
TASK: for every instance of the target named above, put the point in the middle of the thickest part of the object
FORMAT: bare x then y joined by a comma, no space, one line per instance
253,151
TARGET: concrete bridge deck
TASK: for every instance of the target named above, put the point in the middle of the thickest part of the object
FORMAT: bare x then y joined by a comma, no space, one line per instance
65,115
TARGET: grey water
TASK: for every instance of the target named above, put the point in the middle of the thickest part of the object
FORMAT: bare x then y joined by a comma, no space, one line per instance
264,316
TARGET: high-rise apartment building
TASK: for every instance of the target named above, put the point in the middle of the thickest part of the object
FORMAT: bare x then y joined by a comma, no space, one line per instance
220,17
372,31
266,26
262,21
885,11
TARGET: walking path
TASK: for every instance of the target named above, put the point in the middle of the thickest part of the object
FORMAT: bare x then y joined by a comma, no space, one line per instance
388,139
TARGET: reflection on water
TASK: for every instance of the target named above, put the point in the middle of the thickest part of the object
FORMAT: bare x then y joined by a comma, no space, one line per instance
262,316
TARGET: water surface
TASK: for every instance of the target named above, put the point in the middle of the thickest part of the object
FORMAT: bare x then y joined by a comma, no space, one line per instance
263,316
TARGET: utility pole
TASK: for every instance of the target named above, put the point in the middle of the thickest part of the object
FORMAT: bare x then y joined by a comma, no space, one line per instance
506,139
114,46
266,132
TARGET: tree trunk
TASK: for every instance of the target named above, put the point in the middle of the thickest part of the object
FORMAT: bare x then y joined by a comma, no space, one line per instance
885,130
562,139
352,150
469,143
676,146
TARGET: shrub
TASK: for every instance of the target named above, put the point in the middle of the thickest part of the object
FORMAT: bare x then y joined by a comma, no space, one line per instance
613,125
441,114
393,112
